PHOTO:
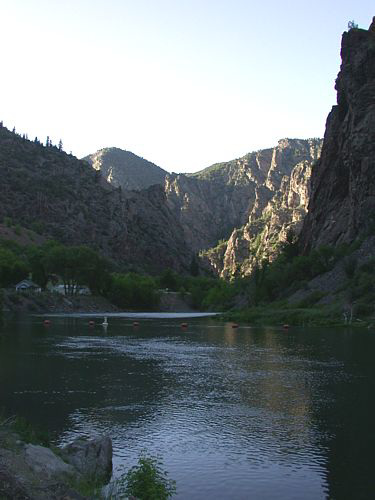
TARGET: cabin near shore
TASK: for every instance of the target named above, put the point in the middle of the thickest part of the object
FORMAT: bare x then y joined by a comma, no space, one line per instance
27,285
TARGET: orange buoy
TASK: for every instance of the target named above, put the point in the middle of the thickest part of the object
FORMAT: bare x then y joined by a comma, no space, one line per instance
234,325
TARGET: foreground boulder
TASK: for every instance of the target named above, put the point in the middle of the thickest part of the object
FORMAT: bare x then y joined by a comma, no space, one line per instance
43,461
90,457
33,472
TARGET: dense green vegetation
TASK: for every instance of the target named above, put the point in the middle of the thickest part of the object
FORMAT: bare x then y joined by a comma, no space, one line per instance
134,291
261,298
75,266
272,284
290,271
204,292
13,267
281,313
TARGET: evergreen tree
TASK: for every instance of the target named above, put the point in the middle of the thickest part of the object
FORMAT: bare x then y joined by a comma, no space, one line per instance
194,266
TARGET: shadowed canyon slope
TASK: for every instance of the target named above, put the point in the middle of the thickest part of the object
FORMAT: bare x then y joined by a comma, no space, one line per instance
342,204
61,197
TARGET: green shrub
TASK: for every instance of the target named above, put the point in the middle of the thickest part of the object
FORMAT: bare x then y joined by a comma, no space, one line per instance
148,481
12,268
169,279
8,221
38,227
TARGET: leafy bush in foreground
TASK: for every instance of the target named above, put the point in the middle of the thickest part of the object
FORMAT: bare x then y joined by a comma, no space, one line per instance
145,481
148,481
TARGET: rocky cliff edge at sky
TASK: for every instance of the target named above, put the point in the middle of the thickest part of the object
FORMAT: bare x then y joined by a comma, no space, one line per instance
342,202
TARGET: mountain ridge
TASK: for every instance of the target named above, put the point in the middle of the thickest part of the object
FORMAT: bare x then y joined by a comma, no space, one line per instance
126,169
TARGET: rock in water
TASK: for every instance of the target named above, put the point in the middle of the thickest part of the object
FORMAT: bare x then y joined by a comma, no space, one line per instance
90,457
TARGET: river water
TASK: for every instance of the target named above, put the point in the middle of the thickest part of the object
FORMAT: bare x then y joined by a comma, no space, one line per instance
245,413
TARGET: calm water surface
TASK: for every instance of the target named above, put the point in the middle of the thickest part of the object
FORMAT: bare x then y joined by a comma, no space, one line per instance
247,413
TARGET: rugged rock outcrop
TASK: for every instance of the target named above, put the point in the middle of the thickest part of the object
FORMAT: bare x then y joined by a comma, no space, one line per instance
213,202
63,198
277,211
342,202
228,200
125,169
208,208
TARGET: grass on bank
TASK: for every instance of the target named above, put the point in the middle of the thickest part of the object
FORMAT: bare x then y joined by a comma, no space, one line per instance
274,315
25,430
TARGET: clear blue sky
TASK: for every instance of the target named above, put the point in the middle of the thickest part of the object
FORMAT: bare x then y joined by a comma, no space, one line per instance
183,83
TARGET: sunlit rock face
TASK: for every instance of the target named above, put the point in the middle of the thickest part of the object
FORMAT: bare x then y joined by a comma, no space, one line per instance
278,204
125,169
342,201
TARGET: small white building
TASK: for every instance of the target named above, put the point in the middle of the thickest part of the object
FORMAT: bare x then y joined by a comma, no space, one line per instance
27,285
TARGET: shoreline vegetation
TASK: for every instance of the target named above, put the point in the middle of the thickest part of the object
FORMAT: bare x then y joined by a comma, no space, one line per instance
327,316
330,286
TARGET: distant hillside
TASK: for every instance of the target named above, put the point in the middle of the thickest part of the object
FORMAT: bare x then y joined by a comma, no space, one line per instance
58,196
125,169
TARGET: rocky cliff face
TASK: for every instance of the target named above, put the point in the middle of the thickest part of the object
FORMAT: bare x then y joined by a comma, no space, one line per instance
342,203
268,227
125,169
64,198
208,208
211,203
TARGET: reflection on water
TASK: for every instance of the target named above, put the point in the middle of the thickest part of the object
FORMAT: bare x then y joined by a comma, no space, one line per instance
244,413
